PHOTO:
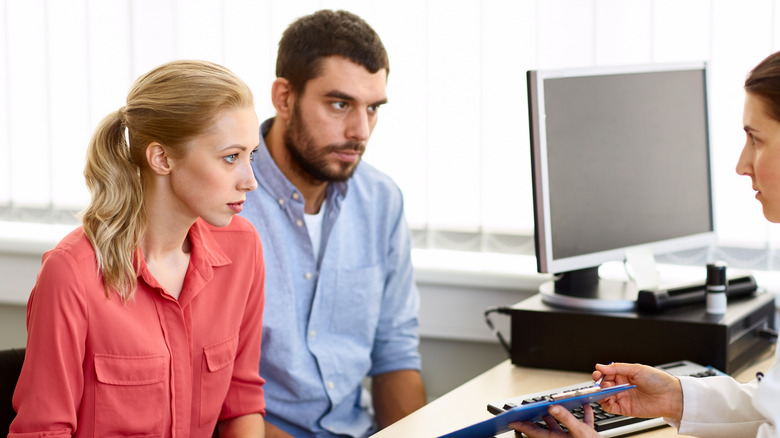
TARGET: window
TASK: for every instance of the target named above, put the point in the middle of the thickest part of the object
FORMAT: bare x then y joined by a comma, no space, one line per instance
455,134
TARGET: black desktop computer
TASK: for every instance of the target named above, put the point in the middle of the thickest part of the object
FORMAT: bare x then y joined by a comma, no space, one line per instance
613,182
544,336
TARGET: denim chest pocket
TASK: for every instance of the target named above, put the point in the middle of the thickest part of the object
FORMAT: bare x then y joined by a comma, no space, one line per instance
358,299
130,395
216,374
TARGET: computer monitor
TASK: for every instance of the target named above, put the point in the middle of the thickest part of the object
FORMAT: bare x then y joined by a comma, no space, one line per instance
620,162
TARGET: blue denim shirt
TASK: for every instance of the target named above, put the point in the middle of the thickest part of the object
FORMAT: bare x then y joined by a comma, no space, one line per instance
328,326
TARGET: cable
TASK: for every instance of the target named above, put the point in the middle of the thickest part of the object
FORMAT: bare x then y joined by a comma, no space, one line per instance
766,332
502,310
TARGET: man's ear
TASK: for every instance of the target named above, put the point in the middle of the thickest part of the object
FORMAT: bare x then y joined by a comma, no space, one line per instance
282,98
158,159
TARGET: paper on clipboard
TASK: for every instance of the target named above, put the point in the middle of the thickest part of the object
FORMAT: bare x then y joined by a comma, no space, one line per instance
535,411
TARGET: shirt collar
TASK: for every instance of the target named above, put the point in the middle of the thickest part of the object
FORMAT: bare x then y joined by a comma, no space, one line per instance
205,254
206,251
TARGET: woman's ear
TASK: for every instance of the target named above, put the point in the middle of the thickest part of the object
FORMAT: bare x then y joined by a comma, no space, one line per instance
282,98
158,159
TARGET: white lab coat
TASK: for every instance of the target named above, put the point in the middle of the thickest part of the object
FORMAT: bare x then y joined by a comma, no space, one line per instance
722,407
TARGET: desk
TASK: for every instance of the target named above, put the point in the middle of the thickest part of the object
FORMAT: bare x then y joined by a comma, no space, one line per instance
467,404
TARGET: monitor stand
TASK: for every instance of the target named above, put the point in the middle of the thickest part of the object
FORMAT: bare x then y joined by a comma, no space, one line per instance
584,290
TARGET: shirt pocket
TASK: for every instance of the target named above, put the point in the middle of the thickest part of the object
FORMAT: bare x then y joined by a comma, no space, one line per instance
215,378
358,297
130,396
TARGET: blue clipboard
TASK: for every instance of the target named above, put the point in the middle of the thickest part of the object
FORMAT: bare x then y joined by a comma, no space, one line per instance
535,411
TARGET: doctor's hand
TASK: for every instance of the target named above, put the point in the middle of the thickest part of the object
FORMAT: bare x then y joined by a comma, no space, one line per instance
657,393
577,428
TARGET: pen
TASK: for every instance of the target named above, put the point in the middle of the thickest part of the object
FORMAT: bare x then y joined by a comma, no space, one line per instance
575,393
598,382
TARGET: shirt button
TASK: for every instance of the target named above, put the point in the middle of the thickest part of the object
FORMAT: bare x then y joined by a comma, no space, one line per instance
312,333
299,223
307,276
296,196
280,201
331,385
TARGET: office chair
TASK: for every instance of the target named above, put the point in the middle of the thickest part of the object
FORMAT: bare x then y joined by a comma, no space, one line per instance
10,367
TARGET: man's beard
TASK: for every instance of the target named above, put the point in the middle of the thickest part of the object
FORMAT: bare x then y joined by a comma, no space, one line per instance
313,159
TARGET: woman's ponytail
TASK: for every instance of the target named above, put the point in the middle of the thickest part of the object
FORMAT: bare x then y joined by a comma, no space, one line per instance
114,221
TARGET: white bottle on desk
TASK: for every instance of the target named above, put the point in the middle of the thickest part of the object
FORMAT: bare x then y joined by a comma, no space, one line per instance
717,285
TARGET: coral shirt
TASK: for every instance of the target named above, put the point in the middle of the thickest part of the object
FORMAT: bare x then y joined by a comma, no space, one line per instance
155,366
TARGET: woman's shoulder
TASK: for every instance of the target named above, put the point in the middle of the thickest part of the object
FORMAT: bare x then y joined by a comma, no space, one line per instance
75,244
69,264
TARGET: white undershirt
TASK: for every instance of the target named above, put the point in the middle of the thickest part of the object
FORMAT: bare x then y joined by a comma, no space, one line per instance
314,226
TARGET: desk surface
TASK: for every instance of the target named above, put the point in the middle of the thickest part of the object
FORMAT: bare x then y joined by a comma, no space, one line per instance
467,404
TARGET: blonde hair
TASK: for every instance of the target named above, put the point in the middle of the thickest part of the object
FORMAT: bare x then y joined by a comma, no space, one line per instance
170,105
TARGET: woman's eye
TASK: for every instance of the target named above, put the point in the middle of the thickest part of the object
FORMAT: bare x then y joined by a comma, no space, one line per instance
231,158
252,155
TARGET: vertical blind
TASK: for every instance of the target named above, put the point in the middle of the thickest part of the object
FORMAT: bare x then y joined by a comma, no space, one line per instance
454,135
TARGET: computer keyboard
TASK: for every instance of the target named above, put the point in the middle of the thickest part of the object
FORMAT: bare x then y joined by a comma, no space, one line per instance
611,425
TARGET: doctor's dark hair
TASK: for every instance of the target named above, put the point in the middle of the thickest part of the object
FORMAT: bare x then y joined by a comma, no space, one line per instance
170,105
764,81
309,40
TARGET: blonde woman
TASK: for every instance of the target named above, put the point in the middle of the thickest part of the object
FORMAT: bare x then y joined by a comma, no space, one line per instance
146,320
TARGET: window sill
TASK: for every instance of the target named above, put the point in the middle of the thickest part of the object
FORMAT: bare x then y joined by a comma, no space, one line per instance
444,268
476,269
31,239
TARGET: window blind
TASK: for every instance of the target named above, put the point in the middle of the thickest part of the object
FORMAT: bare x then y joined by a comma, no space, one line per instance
454,135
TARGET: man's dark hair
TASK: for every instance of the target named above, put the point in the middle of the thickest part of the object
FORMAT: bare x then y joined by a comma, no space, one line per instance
308,41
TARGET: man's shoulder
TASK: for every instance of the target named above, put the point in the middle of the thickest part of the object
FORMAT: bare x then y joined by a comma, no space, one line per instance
371,181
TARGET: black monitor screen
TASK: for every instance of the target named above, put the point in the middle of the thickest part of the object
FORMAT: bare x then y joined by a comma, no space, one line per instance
620,160
627,160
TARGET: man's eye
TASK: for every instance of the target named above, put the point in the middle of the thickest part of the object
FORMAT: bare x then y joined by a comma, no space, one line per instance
340,105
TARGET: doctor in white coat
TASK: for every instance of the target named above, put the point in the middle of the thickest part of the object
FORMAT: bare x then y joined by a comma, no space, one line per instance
715,406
